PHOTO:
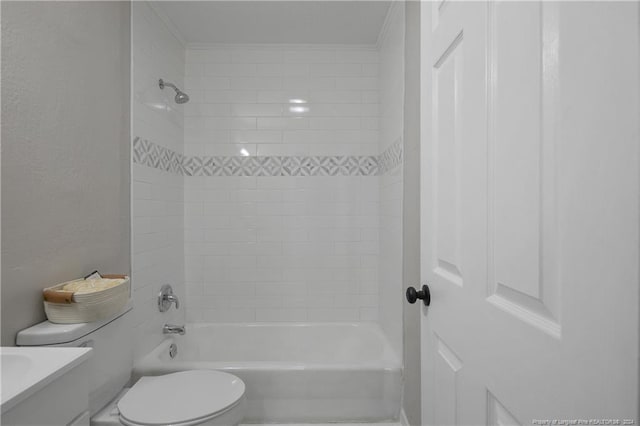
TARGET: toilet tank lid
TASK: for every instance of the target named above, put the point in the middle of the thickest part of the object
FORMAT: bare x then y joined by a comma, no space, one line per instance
48,333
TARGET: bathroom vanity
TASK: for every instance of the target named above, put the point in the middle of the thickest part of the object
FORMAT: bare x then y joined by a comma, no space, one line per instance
44,386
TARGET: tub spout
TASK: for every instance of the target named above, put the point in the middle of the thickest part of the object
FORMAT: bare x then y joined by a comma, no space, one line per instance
174,329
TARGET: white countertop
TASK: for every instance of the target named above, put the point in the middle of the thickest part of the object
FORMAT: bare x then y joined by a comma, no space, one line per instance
26,370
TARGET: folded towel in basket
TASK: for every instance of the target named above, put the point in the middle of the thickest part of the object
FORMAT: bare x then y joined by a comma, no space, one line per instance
91,285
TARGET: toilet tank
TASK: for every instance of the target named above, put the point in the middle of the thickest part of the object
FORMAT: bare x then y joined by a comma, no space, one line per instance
112,360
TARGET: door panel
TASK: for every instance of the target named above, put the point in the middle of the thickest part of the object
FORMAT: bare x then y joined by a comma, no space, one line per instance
447,367
497,414
523,72
447,75
529,206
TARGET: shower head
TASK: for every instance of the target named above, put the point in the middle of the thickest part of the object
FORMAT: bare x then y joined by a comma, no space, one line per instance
181,97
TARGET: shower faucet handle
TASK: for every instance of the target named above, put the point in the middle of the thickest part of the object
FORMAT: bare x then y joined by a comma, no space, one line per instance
166,298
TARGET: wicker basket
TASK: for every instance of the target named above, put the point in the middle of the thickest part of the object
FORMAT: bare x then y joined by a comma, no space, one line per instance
66,307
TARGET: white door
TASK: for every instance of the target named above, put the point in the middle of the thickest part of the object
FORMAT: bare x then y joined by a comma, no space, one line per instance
530,183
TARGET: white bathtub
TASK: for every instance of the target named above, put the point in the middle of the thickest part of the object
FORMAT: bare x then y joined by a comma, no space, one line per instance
294,372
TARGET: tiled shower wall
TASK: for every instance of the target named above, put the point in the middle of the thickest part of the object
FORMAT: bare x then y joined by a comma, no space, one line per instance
275,192
282,208
157,195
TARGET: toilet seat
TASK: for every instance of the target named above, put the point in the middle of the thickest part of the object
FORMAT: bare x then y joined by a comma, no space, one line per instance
180,399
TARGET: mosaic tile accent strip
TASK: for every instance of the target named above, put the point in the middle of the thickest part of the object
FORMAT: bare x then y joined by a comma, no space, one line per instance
156,156
153,155
390,158
281,166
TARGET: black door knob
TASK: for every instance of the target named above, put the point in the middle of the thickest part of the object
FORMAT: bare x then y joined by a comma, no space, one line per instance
424,295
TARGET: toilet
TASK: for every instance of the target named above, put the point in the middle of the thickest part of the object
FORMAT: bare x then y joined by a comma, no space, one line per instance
184,398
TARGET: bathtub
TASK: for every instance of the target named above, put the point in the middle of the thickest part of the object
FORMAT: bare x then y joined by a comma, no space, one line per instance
294,372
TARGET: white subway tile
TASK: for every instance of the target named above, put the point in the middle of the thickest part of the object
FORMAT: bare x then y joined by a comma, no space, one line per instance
207,56
335,96
141,190
258,83
270,70
256,56
316,248
209,248
276,248
230,96
230,235
359,83
370,70
360,56
280,289
257,196
228,315
310,56
230,289
308,83
335,110
282,123
281,314
333,314
370,123
257,110
232,149
256,136
370,96
331,287
282,235
230,70
352,248
231,182
370,234
213,209
369,314
257,249
211,110
237,123
292,70
344,234
336,70
282,96
334,123
192,69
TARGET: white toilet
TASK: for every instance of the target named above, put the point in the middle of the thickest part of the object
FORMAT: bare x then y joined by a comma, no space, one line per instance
185,398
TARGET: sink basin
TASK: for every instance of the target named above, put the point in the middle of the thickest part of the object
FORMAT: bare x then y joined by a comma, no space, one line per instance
15,368
25,370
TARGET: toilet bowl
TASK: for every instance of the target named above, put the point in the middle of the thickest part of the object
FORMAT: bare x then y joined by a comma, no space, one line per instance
185,398
157,400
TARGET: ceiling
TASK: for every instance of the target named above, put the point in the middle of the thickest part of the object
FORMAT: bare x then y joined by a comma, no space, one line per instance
307,22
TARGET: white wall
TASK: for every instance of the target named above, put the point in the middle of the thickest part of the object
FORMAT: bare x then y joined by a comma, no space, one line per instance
261,246
158,193
65,149
391,182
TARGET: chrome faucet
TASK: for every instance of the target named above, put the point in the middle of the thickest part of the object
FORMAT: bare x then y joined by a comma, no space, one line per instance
174,329
166,298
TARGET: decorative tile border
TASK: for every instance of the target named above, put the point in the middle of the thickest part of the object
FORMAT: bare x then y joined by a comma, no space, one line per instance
153,155
390,158
280,166
156,156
